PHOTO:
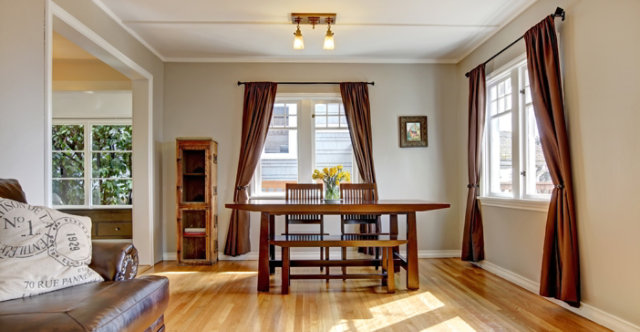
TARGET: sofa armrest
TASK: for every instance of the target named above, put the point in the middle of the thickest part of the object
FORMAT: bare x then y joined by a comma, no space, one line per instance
115,260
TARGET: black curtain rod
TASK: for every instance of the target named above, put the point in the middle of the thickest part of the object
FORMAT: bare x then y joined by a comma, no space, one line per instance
305,83
558,13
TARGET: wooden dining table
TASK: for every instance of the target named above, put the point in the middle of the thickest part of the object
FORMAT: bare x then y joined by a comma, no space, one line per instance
269,208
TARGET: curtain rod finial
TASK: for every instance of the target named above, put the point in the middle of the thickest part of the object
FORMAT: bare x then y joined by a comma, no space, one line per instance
559,13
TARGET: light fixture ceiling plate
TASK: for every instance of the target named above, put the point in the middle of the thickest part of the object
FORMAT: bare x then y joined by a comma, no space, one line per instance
313,18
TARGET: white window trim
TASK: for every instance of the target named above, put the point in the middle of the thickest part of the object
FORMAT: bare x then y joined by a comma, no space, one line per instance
306,133
88,143
524,201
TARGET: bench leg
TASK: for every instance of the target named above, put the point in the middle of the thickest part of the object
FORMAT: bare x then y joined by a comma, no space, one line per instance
327,271
344,257
384,265
391,284
286,266
272,248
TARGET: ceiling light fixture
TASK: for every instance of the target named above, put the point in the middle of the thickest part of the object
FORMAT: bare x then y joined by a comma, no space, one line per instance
298,42
313,19
329,44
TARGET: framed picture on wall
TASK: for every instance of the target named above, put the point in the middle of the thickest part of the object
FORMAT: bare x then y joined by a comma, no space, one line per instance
413,131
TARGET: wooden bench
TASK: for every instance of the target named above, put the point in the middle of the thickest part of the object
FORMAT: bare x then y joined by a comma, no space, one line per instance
343,241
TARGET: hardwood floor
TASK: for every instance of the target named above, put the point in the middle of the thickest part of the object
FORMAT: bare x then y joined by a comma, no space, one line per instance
453,296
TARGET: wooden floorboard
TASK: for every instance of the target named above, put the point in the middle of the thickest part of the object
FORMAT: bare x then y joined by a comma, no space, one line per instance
453,296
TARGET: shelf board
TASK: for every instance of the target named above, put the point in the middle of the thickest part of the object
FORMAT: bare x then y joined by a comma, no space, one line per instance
194,235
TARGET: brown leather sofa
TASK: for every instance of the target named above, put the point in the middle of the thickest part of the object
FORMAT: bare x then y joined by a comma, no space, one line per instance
120,303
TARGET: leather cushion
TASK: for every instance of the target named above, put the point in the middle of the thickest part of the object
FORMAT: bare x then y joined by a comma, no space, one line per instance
130,305
11,189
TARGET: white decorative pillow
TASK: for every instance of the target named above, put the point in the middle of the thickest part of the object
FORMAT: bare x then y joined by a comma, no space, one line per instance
42,250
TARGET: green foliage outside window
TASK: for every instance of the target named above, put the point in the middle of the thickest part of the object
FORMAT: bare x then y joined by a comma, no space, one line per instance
110,158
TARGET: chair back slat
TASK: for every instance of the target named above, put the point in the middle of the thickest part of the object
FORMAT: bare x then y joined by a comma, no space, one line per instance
358,193
303,192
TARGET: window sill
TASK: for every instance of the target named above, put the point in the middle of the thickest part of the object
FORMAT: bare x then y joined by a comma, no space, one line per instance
266,197
520,204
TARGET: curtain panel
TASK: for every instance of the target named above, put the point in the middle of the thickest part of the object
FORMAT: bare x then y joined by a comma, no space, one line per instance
473,238
259,98
560,275
355,97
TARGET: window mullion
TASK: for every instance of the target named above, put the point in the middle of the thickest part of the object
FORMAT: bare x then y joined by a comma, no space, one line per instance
516,137
88,160
305,140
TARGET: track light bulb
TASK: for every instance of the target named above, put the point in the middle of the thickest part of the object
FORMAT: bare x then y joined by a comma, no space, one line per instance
298,42
329,44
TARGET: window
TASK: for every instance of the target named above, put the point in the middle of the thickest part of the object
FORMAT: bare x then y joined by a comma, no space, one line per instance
514,163
91,164
305,133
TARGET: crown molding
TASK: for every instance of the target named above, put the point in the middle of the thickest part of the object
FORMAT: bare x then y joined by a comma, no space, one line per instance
497,29
310,60
133,34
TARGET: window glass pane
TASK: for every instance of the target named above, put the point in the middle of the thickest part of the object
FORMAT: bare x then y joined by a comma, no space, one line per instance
492,93
111,192
67,192
111,165
537,172
279,161
67,164
321,121
111,137
500,89
501,154
67,137
280,141
332,148
320,109
333,121
343,122
493,108
334,109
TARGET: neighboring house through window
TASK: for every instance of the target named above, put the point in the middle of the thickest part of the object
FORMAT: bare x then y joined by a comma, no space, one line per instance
306,132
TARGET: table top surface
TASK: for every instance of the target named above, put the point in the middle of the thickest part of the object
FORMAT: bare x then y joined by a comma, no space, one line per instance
278,206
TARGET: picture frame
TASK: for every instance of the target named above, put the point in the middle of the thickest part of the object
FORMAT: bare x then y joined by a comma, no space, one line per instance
413,131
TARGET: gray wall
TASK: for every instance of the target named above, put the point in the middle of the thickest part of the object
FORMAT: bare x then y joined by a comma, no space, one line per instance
203,100
23,96
601,81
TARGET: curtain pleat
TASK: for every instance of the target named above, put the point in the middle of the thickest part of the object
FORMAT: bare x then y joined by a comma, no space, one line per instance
473,238
355,97
560,275
256,115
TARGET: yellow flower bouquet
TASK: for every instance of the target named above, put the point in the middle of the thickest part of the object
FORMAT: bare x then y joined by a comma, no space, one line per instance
332,177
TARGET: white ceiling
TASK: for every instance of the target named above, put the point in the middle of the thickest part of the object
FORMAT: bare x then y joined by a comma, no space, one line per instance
365,30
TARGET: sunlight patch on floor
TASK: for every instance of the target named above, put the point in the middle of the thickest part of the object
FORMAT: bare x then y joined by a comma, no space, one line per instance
456,324
239,272
391,313
170,273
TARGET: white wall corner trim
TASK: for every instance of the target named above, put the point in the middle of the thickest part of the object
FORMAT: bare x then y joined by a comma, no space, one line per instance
113,16
588,311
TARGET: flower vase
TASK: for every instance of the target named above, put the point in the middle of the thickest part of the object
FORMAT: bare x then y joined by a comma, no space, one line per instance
331,193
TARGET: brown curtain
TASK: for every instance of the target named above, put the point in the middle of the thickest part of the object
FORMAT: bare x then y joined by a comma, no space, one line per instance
256,115
560,277
355,97
473,239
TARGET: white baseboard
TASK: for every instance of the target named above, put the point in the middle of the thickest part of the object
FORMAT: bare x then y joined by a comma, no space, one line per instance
335,254
586,310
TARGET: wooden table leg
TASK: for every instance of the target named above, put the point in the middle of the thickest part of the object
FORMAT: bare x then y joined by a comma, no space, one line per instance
263,260
391,284
272,248
413,279
285,270
384,263
393,231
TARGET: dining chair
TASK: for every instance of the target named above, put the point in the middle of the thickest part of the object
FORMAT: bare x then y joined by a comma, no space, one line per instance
358,193
306,192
